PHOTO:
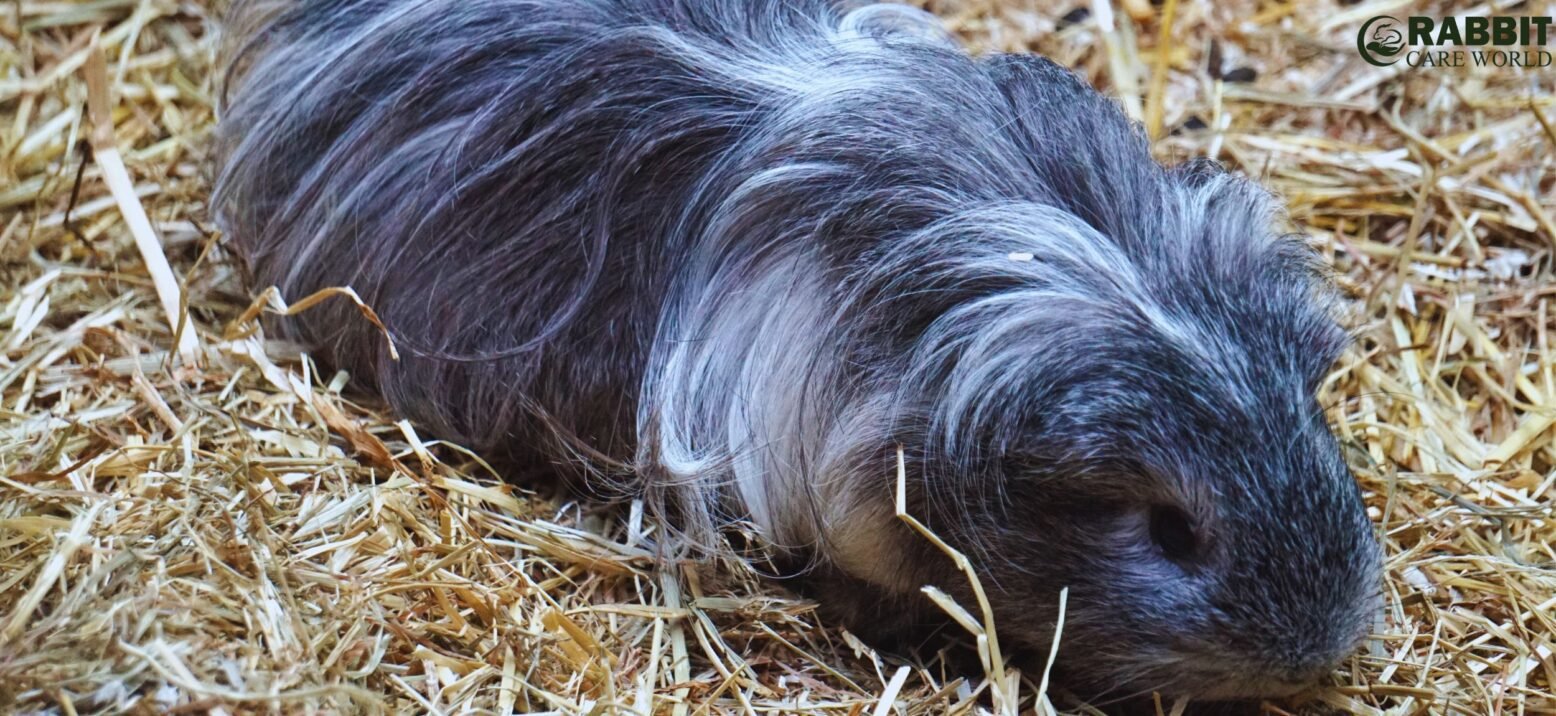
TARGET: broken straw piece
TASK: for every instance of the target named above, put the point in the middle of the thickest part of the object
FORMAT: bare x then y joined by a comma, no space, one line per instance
106,154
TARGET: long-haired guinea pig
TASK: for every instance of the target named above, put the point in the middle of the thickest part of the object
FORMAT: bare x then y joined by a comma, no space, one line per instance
727,257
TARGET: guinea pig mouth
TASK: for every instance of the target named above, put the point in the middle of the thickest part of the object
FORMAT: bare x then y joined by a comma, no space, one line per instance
1226,681
1196,687
1249,687
1198,678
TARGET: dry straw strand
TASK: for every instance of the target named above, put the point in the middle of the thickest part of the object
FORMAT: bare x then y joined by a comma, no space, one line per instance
194,517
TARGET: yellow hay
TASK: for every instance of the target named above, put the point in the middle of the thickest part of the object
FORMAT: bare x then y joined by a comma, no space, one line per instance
193,518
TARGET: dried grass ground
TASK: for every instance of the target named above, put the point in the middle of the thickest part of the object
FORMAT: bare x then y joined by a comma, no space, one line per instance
202,522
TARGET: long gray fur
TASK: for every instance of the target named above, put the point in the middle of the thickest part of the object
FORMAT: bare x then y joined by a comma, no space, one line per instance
728,256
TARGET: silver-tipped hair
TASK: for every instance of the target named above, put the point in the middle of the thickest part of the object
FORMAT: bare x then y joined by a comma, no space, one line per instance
729,256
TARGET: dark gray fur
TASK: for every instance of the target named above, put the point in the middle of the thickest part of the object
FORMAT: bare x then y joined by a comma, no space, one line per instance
727,256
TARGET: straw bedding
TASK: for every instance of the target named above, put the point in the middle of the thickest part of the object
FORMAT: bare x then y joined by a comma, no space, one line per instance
193,518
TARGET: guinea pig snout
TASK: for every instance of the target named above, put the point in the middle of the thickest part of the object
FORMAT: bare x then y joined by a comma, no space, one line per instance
1278,667
1309,662
1272,682
1294,624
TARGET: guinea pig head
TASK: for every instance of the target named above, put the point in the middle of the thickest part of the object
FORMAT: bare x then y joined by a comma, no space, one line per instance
1139,424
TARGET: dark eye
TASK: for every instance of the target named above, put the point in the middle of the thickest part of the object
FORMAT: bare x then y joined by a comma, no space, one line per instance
1173,533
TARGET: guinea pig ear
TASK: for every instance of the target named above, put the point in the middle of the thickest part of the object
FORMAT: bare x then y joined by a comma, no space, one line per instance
885,21
1198,172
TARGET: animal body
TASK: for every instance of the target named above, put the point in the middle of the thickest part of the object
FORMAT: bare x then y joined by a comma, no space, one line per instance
731,257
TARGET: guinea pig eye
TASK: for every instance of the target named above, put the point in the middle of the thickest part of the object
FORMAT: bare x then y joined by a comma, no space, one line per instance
1173,533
